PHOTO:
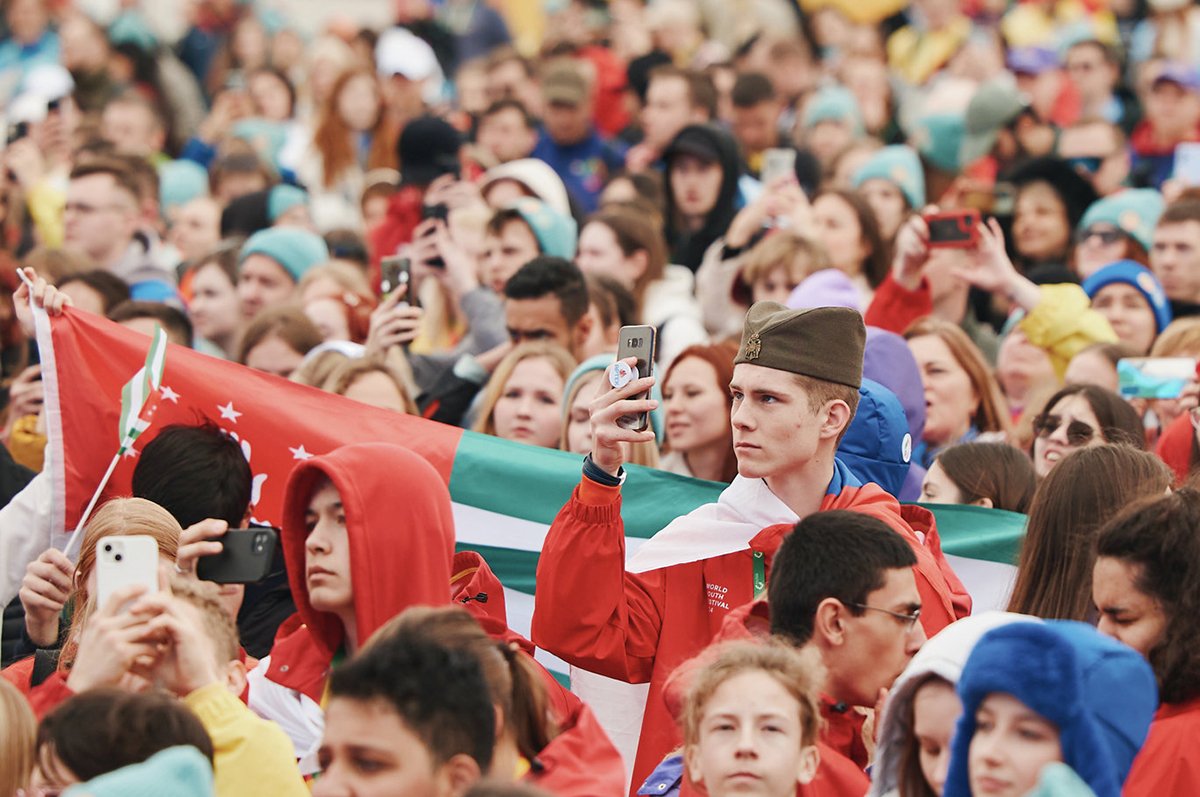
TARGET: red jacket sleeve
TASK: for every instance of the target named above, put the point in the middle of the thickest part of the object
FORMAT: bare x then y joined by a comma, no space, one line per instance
893,308
46,696
1169,762
589,611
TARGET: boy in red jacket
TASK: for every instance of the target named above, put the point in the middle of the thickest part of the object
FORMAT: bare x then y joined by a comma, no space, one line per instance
795,388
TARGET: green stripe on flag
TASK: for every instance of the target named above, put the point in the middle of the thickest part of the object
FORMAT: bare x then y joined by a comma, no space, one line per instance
515,569
975,532
534,483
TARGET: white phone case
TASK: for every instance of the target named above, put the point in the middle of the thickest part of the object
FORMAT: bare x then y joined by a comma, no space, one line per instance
122,561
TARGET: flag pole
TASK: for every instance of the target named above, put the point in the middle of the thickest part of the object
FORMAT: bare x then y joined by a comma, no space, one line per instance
71,549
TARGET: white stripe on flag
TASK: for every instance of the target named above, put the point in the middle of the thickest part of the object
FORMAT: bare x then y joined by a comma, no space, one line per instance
988,583
475,526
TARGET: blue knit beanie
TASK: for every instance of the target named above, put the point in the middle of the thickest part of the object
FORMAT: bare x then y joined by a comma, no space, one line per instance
179,182
834,104
900,166
877,446
555,232
178,771
939,138
1138,276
283,198
1134,211
1098,692
295,249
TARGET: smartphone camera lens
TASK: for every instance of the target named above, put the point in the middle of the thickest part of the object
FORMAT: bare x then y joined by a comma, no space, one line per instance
118,557
108,548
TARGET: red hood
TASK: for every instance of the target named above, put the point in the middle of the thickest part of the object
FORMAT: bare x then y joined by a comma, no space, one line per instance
401,533
581,761
479,591
1175,447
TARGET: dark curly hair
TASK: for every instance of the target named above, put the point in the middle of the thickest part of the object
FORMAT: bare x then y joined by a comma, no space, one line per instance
1158,537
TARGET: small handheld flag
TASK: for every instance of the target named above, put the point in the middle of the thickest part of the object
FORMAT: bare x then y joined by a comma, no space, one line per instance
139,400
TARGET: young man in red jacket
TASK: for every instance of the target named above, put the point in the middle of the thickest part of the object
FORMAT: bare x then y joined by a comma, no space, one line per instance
795,388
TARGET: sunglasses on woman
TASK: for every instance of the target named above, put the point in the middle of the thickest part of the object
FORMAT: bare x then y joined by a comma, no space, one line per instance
1078,432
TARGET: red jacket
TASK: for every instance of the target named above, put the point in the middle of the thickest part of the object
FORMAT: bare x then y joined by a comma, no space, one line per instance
894,308
640,627
1169,763
581,760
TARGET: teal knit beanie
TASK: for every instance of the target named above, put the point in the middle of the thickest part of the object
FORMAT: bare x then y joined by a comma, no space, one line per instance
295,249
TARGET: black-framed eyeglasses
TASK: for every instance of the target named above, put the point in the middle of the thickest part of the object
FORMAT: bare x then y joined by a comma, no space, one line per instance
1078,432
909,620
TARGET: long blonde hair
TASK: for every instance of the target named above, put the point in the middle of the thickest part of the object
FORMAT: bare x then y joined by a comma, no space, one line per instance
556,355
118,516
18,740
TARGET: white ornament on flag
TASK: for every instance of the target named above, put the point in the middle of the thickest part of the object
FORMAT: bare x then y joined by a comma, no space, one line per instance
299,453
228,412
170,395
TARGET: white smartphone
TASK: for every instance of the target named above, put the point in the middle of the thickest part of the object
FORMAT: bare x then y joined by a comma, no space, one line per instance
777,162
123,561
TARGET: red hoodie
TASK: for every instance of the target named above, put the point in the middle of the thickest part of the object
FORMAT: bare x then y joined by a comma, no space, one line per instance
581,760
401,532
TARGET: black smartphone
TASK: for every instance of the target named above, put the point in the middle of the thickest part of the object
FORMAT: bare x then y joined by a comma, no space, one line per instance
245,557
957,229
441,212
640,342
396,271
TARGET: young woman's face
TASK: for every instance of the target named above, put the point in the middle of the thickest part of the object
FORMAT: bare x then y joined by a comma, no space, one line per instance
937,488
774,286
1092,368
1126,613
215,310
270,96
579,416
1098,246
378,390
358,103
1010,747
327,551
888,202
1129,313
838,228
695,184
950,398
696,407
529,408
1041,230
1069,425
329,316
935,712
600,253
750,741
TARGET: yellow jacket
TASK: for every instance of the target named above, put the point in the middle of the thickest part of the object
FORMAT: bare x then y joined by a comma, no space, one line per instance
253,757
1064,324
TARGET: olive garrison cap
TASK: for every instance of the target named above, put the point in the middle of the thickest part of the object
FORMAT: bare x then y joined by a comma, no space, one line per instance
823,342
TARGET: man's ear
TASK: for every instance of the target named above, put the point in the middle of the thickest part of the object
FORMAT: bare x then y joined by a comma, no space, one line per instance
829,623
837,418
235,677
810,759
456,777
580,334
691,761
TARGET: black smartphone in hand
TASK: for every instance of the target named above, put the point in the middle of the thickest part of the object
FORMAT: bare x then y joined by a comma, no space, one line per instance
245,557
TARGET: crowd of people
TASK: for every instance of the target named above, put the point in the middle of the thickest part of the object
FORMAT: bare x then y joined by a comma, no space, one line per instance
891,257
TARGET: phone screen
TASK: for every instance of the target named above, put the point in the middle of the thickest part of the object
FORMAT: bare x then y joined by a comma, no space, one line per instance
1155,377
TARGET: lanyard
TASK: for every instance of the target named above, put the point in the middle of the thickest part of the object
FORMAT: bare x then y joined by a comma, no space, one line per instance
759,564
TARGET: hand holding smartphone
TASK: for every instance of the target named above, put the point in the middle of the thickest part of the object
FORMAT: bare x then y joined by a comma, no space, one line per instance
640,342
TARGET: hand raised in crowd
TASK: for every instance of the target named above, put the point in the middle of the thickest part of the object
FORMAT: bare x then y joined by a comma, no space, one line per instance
228,107
45,296
198,540
989,268
453,192
187,659
781,200
24,160
44,591
912,250
118,640
458,272
393,323
610,405
26,394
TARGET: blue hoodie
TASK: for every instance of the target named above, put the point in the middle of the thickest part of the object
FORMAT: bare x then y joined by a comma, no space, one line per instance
1099,692
878,446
